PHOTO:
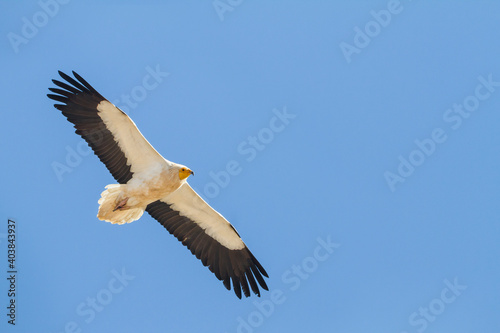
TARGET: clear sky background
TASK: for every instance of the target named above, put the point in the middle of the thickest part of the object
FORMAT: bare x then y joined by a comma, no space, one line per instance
390,154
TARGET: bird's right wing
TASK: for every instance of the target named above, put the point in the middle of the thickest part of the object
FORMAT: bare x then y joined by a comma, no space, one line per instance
211,238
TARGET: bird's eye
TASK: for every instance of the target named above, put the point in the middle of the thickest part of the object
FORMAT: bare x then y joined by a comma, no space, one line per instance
183,169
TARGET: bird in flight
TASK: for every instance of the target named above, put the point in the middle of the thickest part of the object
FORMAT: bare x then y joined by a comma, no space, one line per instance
148,182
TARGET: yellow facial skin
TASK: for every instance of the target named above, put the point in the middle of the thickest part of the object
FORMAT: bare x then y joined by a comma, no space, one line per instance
184,173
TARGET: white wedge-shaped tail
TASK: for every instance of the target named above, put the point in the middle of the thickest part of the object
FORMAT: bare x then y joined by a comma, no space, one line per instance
113,206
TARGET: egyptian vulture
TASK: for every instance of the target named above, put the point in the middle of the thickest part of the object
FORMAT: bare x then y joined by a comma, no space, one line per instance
149,182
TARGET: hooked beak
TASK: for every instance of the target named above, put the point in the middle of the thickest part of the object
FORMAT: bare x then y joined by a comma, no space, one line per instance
184,173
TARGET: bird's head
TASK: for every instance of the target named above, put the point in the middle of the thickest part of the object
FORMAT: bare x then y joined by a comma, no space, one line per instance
184,172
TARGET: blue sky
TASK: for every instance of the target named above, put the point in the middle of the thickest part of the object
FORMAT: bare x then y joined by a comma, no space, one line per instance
372,200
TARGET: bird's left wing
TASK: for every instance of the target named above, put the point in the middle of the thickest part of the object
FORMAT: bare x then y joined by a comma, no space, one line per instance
111,134
211,238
